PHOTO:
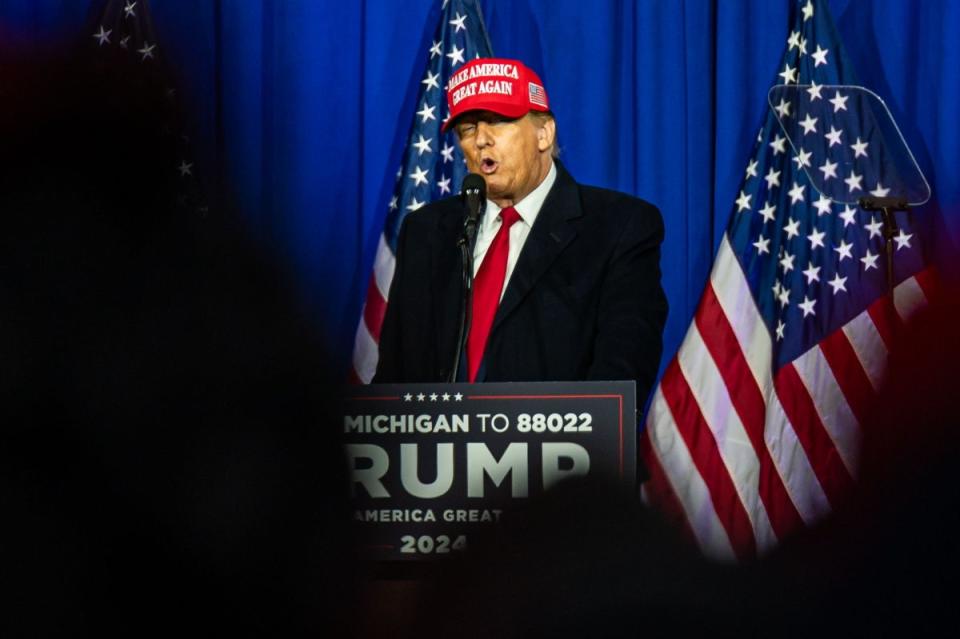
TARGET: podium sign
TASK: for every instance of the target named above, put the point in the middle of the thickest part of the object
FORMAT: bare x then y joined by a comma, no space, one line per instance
432,463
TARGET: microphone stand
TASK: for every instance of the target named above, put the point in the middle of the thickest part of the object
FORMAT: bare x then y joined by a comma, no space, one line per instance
466,300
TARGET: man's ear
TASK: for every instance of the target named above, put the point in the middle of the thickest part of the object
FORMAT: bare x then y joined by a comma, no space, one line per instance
546,134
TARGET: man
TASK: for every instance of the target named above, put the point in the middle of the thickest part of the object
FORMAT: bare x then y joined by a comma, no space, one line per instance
568,290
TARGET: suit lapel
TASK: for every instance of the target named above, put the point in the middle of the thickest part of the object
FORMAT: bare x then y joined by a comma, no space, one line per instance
551,233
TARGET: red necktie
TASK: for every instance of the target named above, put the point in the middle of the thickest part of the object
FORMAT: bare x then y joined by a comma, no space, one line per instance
487,286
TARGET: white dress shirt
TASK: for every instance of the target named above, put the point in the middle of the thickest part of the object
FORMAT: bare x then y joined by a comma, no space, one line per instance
528,208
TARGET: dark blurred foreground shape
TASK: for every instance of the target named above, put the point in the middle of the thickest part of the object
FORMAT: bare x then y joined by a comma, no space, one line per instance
886,564
168,460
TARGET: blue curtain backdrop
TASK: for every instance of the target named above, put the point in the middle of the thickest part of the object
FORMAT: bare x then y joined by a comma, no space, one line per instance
302,105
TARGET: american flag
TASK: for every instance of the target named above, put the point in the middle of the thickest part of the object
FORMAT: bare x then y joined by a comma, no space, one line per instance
754,430
124,29
432,167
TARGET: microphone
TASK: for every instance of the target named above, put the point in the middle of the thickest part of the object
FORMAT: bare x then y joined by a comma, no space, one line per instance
474,193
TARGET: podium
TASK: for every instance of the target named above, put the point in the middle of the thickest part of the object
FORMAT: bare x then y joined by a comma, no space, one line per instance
432,465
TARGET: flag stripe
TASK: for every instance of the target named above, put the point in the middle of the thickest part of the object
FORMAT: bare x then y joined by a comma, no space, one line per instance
733,443
673,456
885,319
383,267
706,457
374,310
364,355
798,406
848,374
869,347
819,377
908,298
659,494
749,404
927,279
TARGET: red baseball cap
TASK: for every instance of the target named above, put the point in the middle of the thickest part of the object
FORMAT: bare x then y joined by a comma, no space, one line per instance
505,87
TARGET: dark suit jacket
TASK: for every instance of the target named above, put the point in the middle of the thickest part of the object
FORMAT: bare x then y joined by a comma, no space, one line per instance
584,301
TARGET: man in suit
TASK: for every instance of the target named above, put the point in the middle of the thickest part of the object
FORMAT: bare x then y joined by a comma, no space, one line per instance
567,277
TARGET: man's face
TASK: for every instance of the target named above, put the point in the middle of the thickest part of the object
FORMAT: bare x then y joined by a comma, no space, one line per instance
513,156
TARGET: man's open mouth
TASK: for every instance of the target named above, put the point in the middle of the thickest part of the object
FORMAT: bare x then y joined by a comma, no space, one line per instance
488,166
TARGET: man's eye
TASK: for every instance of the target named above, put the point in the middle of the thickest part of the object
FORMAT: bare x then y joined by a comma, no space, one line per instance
467,129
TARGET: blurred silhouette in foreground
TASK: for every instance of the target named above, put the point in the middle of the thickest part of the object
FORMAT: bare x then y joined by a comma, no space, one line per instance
168,463
886,564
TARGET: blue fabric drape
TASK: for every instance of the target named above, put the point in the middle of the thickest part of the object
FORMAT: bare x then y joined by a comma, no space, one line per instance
304,105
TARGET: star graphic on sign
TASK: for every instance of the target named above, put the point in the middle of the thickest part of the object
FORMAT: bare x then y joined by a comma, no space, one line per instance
780,327
146,51
763,245
789,74
103,36
784,296
823,206
807,306
184,168
414,204
419,176
768,212
854,182
829,170
421,397
792,229
444,185
752,168
812,273
783,109
814,91
123,42
426,113
816,239
458,23
408,397
844,250
423,145
874,227
847,216
446,397
431,80
807,10
838,283
803,158
839,102
903,240
743,202
820,55
433,397
787,262
447,153
773,178
880,191
833,136
796,193
869,260
458,397
436,49
859,148
455,55
394,203
779,144
128,10
794,40
809,124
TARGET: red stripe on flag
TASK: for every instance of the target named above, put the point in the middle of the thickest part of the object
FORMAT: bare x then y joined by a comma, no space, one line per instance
885,318
849,373
929,282
659,491
374,310
822,454
721,341
353,379
703,449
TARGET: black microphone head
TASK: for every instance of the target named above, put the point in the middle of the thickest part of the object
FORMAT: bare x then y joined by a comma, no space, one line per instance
474,184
